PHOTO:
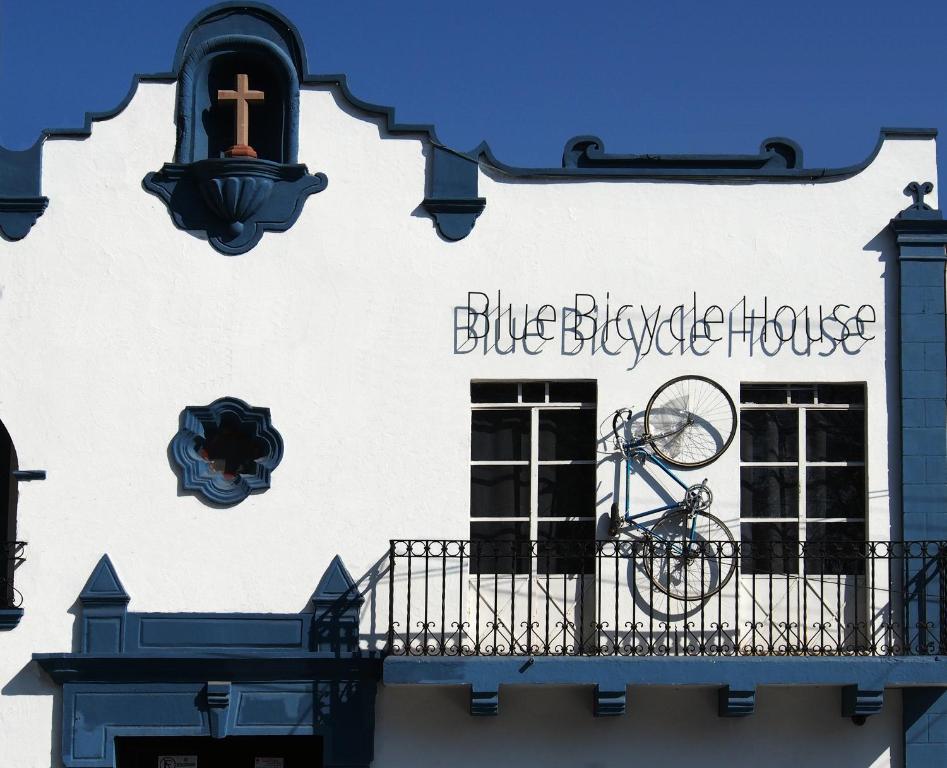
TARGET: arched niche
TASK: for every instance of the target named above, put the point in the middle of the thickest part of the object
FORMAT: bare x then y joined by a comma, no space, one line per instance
206,124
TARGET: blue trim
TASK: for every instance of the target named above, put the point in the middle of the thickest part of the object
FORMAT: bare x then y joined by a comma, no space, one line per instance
196,473
734,702
921,235
609,702
21,202
10,618
739,676
779,160
234,201
181,674
925,727
862,702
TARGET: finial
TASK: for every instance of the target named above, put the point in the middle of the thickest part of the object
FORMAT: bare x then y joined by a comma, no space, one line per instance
918,190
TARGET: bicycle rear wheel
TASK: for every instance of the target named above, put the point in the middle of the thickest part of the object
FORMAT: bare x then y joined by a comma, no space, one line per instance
688,569
692,420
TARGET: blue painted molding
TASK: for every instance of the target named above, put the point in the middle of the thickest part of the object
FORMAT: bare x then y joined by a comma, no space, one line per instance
205,674
779,160
925,727
609,702
736,702
21,202
453,203
199,424
10,618
234,201
860,702
736,677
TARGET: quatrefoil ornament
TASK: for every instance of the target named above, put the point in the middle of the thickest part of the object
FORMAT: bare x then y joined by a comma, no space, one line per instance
226,450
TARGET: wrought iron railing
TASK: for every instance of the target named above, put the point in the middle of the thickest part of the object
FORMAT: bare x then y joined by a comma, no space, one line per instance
11,557
633,598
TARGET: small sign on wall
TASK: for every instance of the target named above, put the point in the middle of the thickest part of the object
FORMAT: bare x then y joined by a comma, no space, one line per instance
177,761
269,762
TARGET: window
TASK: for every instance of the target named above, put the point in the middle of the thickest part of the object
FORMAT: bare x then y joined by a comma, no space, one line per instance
802,478
532,475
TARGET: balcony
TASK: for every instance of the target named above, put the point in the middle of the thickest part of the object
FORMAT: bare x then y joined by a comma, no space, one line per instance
11,600
639,598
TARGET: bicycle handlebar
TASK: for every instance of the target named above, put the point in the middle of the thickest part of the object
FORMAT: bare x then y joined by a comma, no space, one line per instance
616,420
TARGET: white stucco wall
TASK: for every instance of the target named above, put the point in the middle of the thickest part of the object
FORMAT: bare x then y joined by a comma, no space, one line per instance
112,321
554,727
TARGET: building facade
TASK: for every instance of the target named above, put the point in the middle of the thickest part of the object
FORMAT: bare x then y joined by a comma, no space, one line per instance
331,445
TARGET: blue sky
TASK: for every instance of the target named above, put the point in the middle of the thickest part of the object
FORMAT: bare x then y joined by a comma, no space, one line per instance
657,76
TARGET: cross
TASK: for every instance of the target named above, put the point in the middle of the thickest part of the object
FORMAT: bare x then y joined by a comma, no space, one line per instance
243,96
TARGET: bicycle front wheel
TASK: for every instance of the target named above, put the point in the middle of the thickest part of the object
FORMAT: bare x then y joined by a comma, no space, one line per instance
687,568
691,421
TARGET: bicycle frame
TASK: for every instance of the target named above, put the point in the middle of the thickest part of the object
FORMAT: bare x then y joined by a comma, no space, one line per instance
632,453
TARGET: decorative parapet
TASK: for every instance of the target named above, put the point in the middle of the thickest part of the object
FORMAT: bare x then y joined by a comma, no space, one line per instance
226,450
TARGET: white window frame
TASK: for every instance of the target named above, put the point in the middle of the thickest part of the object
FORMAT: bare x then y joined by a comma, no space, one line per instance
802,463
534,463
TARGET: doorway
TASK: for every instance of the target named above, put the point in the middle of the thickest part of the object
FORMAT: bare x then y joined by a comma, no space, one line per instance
231,752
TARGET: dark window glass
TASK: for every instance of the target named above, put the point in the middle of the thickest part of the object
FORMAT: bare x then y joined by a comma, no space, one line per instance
572,392
501,435
566,435
769,548
763,393
769,435
534,392
499,547
499,491
802,393
835,492
492,392
566,547
567,490
843,394
769,492
835,548
835,435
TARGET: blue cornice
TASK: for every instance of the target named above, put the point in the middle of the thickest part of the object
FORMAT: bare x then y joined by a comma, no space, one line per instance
779,160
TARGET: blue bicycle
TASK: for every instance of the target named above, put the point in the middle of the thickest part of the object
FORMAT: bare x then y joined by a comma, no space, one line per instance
689,422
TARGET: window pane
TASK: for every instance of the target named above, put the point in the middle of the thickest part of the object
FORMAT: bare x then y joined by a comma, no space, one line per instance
500,547
499,491
769,435
534,391
835,435
492,392
566,435
843,394
835,548
769,548
501,435
835,492
763,393
566,548
572,391
567,491
802,393
769,492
